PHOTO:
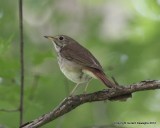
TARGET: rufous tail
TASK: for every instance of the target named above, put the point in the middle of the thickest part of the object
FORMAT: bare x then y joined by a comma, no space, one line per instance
101,76
105,80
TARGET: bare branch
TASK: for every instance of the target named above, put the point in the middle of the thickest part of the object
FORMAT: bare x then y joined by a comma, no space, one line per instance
71,103
21,43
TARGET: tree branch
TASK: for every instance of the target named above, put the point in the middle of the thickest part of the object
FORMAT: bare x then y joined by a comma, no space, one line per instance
21,60
71,103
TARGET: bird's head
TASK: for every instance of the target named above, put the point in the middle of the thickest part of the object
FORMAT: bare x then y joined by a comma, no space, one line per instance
60,41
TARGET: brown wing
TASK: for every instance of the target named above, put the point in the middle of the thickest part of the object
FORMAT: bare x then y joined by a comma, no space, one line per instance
82,56
77,53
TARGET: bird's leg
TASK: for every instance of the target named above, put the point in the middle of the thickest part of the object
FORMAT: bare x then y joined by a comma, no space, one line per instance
71,93
87,84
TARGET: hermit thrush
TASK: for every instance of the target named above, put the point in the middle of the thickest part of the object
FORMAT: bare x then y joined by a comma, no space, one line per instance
77,63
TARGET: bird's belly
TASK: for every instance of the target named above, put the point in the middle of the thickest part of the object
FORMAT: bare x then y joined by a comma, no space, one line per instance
73,71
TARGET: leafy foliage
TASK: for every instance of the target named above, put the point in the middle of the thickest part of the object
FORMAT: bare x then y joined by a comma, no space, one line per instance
120,34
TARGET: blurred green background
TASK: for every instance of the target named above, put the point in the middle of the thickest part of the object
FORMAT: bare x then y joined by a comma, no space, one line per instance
123,34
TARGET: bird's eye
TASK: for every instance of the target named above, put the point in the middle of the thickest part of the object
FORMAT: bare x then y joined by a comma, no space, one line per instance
61,38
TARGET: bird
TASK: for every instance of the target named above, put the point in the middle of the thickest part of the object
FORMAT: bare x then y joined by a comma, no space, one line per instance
77,63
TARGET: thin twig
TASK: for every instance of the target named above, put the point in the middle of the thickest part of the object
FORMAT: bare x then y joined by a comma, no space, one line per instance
21,60
9,110
70,103
115,81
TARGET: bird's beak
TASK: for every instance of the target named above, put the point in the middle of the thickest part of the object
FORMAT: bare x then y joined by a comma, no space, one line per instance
50,37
